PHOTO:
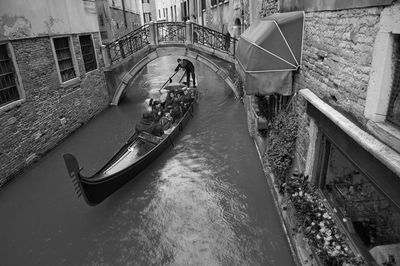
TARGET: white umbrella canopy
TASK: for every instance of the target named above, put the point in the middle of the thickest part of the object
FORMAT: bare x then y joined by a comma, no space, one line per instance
269,50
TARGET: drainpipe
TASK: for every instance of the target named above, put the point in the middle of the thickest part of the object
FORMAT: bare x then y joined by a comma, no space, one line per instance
123,10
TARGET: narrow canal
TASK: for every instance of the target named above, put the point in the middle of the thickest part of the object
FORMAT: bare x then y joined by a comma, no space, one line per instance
204,201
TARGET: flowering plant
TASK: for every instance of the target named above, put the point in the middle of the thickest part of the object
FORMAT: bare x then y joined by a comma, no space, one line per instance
318,224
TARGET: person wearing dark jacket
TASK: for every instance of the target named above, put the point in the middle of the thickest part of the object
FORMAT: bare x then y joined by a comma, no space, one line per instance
189,68
145,124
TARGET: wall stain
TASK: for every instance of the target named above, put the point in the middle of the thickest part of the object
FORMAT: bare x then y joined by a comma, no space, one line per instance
15,26
50,23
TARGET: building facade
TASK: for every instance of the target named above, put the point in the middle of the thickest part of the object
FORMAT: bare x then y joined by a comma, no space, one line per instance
51,76
147,10
118,17
347,95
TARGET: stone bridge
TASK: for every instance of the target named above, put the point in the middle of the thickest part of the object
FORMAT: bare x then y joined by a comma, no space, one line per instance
127,56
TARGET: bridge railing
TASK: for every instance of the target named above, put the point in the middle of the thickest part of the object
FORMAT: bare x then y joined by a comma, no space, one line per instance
214,39
171,31
129,44
168,32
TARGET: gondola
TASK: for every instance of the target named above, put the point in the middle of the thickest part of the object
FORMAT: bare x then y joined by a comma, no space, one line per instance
138,152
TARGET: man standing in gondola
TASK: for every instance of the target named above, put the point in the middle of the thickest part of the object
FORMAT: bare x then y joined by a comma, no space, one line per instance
189,68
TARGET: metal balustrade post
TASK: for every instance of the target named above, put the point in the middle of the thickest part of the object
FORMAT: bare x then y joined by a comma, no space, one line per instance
121,48
234,47
105,51
189,32
153,33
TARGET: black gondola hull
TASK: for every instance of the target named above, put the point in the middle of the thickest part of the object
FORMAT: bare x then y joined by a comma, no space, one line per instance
95,190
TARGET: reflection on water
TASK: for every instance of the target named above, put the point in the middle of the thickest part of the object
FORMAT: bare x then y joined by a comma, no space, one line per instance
192,215
204,201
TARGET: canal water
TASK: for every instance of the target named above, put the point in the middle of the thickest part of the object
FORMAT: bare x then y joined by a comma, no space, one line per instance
204,201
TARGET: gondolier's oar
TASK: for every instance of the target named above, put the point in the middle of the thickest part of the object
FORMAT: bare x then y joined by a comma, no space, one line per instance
169,80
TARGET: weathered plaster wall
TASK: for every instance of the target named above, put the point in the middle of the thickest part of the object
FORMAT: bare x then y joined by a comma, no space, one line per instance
32,18
118,22
221,17
51,112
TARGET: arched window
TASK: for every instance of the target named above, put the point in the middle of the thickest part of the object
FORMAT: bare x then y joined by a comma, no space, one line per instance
237,22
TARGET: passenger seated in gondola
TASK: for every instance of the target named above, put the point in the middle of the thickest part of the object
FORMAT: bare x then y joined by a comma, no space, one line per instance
156,111
176,111
186,100
169,101
145,124
166,121
157,129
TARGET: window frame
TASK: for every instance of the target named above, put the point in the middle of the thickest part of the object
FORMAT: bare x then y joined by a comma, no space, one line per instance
325,146
94,52
18,80
73,56
379,85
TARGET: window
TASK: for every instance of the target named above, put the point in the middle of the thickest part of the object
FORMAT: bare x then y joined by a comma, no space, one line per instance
382,102
8,78
145,1
159,13
146,17
163,10
270,106
88,54
175,12
372,221
172,14
393,114
64,58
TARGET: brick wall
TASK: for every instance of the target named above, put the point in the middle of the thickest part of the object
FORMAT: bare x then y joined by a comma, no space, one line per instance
337,56
50,112
118,24
268,7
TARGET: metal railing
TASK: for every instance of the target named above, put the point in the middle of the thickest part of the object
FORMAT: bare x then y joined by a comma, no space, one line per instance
129,43
171,31
214,39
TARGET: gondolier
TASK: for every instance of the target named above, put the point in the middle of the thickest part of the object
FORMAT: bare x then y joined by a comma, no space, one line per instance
189,68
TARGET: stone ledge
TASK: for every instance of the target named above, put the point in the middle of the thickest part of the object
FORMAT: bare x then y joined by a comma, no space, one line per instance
386,133
386,155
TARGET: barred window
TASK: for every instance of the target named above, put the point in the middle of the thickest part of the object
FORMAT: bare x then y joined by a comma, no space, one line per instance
8,84
64,58
393,114
88,54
